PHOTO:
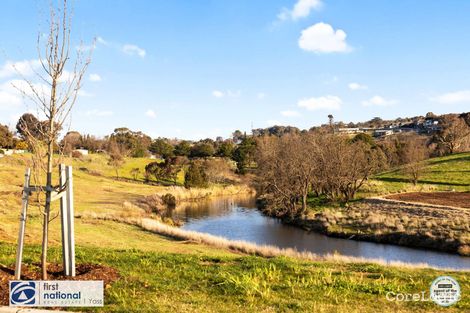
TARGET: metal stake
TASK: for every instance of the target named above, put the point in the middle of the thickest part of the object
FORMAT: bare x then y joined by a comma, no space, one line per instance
19,250
64,222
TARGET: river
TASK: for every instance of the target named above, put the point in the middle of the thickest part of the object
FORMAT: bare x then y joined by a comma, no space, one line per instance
237,218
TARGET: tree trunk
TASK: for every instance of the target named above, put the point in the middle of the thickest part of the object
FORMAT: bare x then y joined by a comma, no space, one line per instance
50,156
304,202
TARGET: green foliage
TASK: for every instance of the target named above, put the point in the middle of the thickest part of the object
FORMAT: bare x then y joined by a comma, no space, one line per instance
183,148
244,154
195,176
129,142
202,150
365,138
166,170
225,149
162,147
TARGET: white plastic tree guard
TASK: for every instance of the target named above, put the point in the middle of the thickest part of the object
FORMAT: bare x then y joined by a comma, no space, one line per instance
65,194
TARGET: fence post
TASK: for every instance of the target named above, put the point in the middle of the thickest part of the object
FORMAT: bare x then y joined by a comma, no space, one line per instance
70,218
19,249
64,221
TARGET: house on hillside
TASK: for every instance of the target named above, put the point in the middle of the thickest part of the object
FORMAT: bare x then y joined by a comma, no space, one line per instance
383,132
81,151
350,130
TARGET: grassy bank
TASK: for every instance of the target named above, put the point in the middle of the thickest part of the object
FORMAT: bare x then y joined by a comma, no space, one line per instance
168,282
448,173
386,221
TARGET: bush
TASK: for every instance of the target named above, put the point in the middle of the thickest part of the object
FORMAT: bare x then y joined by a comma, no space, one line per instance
195,176
169,200
21,145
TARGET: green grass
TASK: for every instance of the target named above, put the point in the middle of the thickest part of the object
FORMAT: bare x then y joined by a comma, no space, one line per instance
173,282
446,173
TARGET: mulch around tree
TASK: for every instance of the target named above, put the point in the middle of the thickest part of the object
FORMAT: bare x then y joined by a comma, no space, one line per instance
455,199
55,272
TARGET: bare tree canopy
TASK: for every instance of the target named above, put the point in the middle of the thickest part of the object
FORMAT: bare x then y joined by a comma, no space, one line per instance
292,167
54,94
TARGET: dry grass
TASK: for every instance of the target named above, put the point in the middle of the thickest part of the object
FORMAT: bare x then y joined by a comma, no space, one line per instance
419,225
194,194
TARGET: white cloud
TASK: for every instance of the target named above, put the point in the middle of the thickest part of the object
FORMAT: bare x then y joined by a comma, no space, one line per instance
290,113
95,78
151,114
66,76
134,50
261,95
218,94
100,40
24,68
97,112
8,100
322,38
13,91
301,9
453,97
321,103
357,86
378,101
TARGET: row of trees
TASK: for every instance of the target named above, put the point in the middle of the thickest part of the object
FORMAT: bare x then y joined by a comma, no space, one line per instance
291,167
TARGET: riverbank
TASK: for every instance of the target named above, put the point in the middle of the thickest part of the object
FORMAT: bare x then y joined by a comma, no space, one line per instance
423,226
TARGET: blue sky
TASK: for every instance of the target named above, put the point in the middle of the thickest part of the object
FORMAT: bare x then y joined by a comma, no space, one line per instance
196,69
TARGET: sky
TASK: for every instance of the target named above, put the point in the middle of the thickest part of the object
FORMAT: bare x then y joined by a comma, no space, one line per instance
197,69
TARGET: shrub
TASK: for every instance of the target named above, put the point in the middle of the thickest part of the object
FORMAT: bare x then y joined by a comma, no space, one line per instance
169,200
195,176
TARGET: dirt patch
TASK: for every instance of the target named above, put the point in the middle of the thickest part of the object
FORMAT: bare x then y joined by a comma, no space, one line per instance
456,199
32,272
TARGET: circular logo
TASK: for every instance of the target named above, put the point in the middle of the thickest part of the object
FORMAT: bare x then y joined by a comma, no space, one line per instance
22,293
445,291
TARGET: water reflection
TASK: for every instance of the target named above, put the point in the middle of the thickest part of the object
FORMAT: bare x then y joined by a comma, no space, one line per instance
237,218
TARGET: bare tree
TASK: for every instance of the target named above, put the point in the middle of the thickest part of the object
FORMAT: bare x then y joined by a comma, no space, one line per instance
293,166
453,134
116,156
54,96
286,171
415,152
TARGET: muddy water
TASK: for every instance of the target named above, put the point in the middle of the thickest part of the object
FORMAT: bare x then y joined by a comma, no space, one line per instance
237,218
